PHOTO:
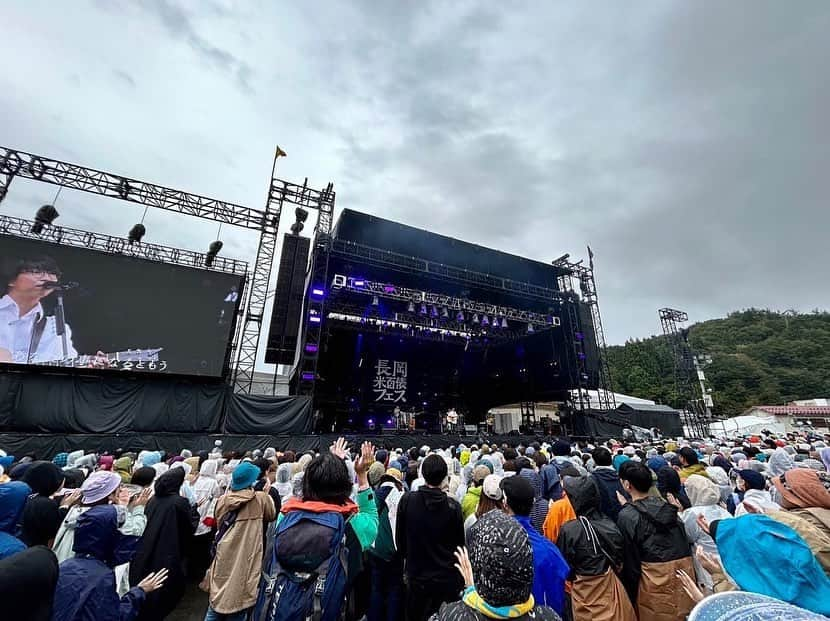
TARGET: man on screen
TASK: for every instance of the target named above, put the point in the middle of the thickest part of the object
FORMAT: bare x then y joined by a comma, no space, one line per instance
27,335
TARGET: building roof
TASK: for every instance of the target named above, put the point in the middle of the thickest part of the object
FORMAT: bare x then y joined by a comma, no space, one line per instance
806,411
647,407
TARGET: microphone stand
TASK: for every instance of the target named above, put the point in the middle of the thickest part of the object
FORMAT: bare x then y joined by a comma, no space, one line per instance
60,323
34,339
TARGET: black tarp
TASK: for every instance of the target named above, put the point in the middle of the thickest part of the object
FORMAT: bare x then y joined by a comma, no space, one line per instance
602,424
268,415
74,404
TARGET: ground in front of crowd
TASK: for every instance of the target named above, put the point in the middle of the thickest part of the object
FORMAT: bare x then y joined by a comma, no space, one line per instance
192,607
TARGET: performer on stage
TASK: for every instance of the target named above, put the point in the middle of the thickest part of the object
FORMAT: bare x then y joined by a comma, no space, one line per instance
27,335
22,314
452,420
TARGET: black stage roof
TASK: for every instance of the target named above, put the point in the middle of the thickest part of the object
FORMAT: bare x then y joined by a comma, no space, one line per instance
400,238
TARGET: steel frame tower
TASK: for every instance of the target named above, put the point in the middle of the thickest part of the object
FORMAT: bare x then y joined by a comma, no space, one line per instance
583,277
688,378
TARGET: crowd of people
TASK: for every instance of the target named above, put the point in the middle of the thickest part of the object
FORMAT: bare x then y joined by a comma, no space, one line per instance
729,528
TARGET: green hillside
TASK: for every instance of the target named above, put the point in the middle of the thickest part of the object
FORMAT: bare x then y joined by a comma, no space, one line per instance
758,357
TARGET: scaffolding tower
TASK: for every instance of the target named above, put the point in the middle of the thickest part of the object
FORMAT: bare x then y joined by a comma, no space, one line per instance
579,277
691,393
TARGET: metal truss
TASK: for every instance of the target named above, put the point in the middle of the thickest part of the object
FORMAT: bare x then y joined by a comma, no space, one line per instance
316,307
426,268
279,193
5,180
340,310
689,395
584,277
15,163
118,245
414,327
440,300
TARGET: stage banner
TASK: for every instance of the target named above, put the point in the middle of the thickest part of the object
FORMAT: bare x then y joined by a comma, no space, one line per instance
390,381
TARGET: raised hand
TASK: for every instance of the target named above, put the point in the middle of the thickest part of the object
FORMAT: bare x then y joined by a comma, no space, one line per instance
339,448
123,496
704,524
154,581
709,562
692,590
463,566
71,499
143,498
672,500
366,459
621,499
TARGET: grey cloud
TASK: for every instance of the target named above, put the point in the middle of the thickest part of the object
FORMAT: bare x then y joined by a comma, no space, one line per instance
124,77
178,23
686,142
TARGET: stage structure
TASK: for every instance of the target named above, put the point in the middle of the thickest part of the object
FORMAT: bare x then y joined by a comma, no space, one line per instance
591,342
401,320
691,392
16,163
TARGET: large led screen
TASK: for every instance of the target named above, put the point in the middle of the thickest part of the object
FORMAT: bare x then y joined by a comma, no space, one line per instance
72,308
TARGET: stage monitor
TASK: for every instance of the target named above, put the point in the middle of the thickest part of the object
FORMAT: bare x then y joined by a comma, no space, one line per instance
120,313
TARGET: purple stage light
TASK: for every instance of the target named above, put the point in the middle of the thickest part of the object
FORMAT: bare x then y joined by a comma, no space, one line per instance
315,319
425,402
388,289
316,291
388,421
311,348
308,377
581,356
371,421
579,336
359,282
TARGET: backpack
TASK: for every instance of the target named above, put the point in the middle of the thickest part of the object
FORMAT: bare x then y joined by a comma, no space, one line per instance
384,545
228,520
305,578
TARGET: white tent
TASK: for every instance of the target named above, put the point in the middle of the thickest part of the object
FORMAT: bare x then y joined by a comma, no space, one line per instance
745,425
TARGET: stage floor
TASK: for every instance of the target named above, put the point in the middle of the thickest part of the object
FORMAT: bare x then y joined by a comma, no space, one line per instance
45,446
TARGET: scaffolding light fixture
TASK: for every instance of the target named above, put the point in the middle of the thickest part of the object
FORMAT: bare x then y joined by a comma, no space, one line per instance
45,215
213,251
136,233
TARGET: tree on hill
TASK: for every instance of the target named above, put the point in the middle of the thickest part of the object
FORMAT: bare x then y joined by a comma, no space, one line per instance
758,357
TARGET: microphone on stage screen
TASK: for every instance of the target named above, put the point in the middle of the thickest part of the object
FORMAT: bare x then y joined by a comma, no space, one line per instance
58,286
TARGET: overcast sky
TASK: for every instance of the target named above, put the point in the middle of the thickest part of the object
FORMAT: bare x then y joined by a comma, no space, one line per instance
687,142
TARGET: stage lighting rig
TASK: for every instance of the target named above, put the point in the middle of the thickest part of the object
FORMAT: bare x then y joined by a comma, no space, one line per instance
558,262
46,215
300,215
136,233
213,250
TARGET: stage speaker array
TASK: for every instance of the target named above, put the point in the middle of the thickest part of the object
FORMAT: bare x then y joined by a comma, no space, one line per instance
286,315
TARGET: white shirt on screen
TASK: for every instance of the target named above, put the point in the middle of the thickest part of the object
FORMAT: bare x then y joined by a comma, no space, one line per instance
16,334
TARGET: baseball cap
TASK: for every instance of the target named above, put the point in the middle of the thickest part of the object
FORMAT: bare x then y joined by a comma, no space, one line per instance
492,487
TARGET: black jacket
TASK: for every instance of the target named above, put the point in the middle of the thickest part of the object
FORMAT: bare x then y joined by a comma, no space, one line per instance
653,534
171,522
428,530
608,482
585,558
